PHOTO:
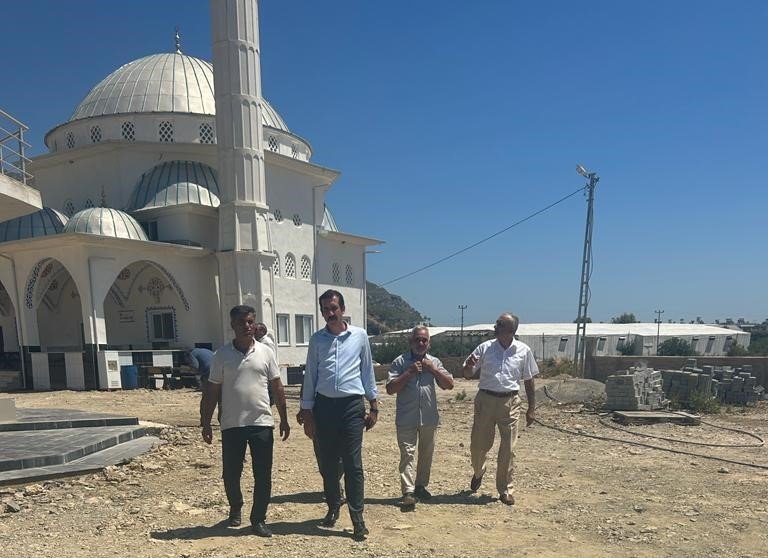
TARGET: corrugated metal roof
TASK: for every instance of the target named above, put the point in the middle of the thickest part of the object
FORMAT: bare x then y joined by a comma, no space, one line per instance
596,330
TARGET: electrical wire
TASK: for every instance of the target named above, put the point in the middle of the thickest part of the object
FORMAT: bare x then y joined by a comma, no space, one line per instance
486,239
660,448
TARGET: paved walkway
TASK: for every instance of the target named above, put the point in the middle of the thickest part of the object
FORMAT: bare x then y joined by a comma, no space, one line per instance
44,443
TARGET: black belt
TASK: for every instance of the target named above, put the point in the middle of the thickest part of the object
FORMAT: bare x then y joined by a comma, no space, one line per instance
512,393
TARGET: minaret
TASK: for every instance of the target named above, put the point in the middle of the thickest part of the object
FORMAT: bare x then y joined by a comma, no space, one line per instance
245,253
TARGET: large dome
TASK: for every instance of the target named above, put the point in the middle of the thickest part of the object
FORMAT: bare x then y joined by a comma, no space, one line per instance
176,183
105,221
170,82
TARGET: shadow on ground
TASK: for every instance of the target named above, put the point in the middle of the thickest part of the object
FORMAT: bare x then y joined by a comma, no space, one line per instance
198,532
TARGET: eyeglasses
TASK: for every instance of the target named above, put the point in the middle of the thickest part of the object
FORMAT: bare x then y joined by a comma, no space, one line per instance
421,339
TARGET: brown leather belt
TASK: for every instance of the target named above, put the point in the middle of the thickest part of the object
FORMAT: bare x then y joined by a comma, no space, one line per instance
500,393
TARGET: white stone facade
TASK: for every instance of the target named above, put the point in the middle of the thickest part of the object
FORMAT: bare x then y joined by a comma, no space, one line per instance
79,300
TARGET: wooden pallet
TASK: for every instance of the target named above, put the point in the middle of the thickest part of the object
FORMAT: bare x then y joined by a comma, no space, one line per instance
654,417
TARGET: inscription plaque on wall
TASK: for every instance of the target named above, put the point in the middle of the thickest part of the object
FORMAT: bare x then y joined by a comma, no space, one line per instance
126,317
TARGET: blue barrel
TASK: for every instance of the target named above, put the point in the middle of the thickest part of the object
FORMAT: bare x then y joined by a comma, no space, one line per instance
129,376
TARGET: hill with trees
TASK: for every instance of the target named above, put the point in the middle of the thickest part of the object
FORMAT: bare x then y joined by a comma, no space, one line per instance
389,312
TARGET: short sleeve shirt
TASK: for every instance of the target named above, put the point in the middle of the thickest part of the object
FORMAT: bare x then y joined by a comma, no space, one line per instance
504,369
244,379
416,403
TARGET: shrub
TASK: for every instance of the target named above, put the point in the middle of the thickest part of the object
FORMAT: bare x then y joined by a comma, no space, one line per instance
552,367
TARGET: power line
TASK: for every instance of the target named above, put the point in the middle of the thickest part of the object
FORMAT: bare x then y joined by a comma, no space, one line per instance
486,239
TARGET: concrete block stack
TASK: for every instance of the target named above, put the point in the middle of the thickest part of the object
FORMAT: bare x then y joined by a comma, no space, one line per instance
679,385
636,389
737,386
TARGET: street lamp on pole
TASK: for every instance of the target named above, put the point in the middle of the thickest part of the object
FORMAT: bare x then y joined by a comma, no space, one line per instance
586,273
658,327
462,307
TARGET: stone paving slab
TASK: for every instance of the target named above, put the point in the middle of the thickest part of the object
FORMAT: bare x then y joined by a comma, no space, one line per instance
93,462
40,448
49,419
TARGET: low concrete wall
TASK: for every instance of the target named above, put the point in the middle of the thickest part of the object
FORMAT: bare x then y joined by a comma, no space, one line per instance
599,368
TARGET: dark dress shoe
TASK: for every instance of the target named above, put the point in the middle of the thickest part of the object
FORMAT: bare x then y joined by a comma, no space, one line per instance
422,493
507,499
360,531
235,517
260,529
330,518
474,484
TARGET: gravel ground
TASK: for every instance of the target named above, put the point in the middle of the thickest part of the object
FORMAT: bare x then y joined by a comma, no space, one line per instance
576,496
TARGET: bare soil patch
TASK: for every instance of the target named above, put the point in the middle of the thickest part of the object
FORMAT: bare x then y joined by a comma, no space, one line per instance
576,496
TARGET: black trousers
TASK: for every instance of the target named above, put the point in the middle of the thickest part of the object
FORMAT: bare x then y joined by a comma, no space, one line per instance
339,424
233,442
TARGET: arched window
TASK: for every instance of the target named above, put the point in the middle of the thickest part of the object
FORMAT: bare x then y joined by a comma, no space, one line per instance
95,134
70,140
348,275
272,144
290,266
276,265
336,273
306,268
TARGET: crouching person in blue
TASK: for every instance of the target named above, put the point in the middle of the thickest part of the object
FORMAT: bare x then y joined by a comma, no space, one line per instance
240,372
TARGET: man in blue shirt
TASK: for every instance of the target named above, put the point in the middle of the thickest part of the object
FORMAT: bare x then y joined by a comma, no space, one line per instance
200,359
338,375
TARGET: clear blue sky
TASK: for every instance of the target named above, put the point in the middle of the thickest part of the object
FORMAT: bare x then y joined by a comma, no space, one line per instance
451,120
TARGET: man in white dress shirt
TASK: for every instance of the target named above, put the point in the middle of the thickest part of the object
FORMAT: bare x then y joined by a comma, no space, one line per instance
501,364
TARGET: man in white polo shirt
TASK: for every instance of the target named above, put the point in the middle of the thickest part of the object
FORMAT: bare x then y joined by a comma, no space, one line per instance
240,372
503,363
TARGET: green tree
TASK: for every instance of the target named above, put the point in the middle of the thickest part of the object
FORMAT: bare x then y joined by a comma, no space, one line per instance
625,318
737,350
676,347
627,349
758,345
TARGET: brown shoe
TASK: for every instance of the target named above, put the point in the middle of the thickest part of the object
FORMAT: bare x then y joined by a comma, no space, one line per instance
507,499
408,502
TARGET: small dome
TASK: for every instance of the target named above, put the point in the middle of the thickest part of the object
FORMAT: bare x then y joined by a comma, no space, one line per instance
174,183
169,82
105,221
43,222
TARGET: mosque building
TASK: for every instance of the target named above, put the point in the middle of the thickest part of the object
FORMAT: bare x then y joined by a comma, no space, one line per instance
165,202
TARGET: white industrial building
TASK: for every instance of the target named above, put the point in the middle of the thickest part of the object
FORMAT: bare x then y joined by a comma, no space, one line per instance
558,340
151,229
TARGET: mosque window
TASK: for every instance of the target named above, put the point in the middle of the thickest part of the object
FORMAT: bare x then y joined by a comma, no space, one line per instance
88,204
95,134
283,329
306,268
290,266
305,326
165,131
69,208
70,140
273,144
278,215
206,133
336,272
297,219
162,324
348,275
128,130
276,266
294,151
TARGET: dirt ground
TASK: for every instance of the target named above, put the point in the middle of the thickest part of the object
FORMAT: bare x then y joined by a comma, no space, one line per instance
576,496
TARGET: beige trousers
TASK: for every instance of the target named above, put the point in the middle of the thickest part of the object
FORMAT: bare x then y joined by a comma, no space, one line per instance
490,413
408,439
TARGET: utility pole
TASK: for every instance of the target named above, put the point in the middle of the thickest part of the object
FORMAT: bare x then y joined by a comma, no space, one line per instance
462,307
586,273
658,327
